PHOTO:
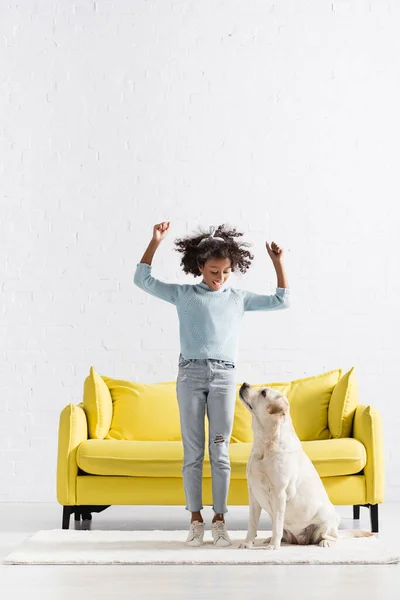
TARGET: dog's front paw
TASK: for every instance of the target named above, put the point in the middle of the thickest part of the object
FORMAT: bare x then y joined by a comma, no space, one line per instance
270,544
247,545
327,543
267,540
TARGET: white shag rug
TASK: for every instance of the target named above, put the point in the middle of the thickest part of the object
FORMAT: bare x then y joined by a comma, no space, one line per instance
71,547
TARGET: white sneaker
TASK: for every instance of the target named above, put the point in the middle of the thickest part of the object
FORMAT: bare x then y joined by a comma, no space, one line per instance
196,534
220,534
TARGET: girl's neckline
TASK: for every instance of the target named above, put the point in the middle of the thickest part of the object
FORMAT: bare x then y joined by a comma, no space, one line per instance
206,287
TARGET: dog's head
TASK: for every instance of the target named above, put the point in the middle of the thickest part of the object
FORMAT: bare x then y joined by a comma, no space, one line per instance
264,402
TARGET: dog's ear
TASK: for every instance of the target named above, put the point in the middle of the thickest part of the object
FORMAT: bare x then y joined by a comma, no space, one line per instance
277,407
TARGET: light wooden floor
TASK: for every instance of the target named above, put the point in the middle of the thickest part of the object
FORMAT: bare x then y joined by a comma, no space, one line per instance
84,582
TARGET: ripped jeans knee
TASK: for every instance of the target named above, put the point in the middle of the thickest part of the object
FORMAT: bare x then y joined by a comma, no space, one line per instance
219,438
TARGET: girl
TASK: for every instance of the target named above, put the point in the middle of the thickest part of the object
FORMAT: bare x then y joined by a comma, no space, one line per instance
210,315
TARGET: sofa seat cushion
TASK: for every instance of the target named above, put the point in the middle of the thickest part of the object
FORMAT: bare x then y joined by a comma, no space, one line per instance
343,456
148,459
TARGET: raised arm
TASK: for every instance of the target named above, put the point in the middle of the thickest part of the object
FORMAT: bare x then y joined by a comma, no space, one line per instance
281,298
143,277
277,301
160,230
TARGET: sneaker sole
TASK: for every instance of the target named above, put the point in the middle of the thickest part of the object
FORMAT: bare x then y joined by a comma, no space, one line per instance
195,544
218,543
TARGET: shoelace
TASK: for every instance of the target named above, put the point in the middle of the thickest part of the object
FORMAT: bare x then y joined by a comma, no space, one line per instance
196,528
219,528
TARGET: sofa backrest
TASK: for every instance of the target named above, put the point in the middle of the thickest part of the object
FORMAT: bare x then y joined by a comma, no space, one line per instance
308,400
321,407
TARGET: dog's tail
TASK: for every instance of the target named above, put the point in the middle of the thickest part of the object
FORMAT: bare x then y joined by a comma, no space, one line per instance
354,533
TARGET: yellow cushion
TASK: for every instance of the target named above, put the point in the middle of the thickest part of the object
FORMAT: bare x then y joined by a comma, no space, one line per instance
309,401
343,405
97,405
151,412
241,431
345,456
143,411
164,459
149,459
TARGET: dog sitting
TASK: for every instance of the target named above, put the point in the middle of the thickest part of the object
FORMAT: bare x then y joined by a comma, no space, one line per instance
282,480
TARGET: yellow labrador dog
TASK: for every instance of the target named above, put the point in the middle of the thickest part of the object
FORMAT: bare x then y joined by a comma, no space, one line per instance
282,480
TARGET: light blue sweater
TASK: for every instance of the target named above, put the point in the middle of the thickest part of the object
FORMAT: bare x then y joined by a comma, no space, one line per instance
209,321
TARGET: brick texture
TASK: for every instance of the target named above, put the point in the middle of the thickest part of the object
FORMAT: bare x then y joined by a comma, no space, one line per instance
279,118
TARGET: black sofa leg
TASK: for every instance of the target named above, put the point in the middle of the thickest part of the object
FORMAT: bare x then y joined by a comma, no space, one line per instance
373,511
84,512
373,508
67,511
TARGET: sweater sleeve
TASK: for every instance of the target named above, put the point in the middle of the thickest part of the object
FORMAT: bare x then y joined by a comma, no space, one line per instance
166,291
279,300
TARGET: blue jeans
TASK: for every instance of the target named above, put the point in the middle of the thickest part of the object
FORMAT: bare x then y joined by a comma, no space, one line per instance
206,383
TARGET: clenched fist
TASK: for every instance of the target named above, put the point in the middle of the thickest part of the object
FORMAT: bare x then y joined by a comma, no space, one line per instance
275,252
160,230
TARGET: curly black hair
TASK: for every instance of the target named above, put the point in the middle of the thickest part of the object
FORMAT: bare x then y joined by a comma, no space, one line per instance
194,256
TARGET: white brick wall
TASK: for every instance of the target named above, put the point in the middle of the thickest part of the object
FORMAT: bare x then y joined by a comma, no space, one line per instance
280,118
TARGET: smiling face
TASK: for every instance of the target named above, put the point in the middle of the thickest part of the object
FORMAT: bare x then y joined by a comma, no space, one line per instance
216,272
265,402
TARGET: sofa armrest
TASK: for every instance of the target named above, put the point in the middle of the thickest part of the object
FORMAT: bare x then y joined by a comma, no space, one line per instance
72,430
367,428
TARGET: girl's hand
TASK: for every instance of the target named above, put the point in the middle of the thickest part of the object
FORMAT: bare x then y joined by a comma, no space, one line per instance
160,231
275,252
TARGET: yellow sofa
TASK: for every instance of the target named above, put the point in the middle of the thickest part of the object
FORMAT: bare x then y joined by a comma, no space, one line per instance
122,445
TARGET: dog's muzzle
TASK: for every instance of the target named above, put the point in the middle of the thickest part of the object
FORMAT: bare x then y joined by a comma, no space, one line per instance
243,387
242,390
